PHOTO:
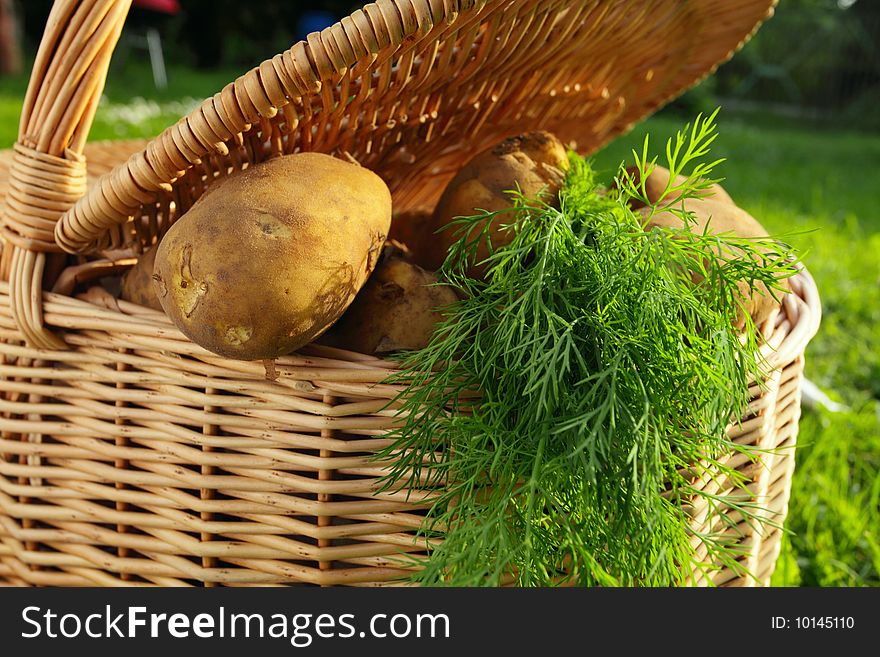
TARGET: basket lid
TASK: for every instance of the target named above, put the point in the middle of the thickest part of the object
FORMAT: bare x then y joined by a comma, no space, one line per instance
414,88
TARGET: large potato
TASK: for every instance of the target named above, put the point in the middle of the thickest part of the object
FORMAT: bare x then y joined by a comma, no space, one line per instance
722,217
397,309
533,163
137,284
270,257
658,179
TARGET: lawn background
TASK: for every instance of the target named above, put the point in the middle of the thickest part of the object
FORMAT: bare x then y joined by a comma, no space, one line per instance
815,184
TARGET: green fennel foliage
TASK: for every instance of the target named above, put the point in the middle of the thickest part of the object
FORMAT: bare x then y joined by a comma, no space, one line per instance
565,406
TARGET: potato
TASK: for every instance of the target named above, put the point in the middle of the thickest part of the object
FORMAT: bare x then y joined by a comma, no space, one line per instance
534,163
272,256
659,178
722,217
137,284
396,310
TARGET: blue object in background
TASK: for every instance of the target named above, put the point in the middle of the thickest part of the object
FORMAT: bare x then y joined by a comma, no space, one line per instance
313,20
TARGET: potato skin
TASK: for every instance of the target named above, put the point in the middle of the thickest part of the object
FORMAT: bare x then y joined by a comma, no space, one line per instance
273,255
722,217
396,310
659,178
533,162
137,284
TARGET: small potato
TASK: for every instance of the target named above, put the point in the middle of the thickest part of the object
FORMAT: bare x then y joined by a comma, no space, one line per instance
535,163
722,217
137,284
656,184
396,310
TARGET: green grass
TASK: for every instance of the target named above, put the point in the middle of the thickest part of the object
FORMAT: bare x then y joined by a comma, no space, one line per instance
818,183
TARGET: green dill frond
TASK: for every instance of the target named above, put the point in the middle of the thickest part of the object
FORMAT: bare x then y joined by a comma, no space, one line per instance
570,408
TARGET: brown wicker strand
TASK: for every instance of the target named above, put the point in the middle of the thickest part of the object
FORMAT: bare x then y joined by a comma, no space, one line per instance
324,475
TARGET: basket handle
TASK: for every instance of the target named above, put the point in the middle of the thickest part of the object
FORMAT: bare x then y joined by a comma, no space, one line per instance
253,98
48,173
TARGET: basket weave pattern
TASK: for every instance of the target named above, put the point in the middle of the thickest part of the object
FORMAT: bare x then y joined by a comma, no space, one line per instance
129,455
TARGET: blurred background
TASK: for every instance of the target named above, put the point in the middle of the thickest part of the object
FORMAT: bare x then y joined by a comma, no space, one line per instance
800,131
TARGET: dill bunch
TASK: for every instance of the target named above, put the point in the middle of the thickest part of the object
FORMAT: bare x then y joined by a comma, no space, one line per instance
566,405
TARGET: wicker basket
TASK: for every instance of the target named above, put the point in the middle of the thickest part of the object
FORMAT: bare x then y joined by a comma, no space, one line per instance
131,456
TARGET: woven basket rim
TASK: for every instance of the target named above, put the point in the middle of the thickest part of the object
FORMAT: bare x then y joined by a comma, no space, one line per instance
801,308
